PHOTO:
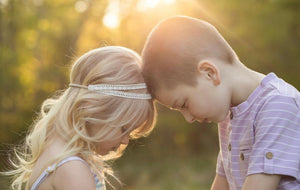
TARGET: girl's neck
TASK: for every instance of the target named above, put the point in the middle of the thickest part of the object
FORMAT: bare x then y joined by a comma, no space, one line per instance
55,146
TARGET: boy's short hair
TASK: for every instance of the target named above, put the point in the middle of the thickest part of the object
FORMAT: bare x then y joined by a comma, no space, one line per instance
175,46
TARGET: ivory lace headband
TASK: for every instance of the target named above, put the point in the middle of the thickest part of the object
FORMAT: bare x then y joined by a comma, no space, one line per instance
116,90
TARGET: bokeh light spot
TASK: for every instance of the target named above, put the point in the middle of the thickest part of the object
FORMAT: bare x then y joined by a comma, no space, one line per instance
111,20
81,6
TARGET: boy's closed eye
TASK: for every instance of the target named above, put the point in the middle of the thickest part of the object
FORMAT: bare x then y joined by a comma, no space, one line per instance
175,107
183,105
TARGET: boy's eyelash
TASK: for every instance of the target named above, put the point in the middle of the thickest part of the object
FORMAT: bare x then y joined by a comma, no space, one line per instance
184,105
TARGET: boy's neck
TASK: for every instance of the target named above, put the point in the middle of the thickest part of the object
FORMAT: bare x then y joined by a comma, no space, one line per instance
243,82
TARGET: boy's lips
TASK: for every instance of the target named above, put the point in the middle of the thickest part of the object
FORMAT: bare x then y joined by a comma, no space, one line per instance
204,120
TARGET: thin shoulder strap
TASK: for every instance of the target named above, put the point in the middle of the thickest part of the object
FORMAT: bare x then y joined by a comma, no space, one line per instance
50,169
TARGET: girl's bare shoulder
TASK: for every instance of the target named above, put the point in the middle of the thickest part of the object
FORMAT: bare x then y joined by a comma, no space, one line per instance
74,174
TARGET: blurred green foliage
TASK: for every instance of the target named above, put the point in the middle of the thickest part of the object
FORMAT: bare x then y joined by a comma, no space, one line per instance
39,39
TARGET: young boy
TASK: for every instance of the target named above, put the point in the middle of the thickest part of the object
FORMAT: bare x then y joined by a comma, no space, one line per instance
189,67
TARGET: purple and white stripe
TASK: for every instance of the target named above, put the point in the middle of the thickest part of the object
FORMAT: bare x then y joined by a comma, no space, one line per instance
263,136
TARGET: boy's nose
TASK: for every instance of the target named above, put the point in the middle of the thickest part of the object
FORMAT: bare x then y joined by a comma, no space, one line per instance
188,117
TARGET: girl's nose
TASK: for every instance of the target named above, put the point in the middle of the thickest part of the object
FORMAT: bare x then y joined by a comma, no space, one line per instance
125,140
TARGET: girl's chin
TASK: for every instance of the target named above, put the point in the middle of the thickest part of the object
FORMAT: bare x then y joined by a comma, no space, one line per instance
112,150
103,152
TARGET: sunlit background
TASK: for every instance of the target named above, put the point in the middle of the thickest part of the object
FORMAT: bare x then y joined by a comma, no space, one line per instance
39,39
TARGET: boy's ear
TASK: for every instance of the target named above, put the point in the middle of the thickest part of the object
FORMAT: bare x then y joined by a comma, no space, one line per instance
210,71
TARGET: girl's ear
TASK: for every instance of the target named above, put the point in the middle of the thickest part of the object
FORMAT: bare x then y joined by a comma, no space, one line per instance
209,71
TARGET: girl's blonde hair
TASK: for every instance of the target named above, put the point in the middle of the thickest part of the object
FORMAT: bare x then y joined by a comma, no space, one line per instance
74,111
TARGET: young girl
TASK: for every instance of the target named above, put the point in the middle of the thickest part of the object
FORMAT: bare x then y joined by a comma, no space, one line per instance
89,123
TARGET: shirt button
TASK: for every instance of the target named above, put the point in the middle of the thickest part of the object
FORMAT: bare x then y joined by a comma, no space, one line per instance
229,147
242,156
231,115
269,155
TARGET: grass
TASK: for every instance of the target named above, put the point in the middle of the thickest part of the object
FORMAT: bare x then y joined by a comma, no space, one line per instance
143,167
170,173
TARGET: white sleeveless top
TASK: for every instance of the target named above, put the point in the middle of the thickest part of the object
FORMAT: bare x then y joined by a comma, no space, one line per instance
100,185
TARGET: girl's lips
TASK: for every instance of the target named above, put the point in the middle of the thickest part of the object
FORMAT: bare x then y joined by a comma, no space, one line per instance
114,148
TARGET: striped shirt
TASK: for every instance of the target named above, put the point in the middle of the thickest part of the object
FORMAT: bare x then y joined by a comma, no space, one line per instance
262,135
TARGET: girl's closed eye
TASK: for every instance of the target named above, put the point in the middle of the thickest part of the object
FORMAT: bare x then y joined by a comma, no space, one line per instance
123,129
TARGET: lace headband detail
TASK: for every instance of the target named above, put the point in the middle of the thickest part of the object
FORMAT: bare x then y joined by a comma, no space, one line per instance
116,90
